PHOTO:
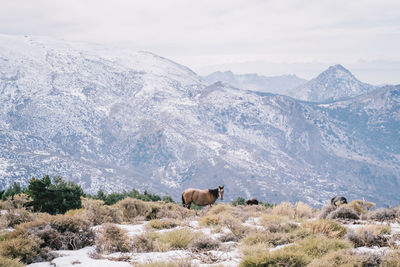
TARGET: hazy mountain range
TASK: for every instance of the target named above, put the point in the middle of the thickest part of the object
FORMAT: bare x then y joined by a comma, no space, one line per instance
255,82
335,83
116,119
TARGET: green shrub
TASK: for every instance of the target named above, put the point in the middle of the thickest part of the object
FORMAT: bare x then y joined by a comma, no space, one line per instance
239,201
15,189
167,199
54,198
268,205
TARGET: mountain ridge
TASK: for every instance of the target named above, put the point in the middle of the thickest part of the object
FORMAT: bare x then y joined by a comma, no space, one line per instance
335,83
153,124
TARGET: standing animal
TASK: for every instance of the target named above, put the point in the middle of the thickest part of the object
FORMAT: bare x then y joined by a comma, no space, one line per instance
252,201
337,201
201,197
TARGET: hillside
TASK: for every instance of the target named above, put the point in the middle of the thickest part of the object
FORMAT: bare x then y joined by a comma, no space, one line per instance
116,119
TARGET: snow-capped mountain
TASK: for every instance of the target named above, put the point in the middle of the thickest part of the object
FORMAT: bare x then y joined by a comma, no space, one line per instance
252,81
116,119
333,84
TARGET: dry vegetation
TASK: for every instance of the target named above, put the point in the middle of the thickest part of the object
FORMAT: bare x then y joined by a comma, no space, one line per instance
284,235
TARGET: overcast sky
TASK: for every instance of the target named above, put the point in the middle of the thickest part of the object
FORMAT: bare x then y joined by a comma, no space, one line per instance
268,37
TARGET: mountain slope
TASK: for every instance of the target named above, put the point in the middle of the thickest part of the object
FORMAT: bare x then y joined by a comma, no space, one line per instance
251,81
333,84
116,119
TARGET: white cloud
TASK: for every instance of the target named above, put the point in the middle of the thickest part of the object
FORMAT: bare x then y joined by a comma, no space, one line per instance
191,31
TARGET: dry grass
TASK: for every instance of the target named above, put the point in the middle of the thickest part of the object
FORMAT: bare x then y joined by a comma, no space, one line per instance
328,228
112,238
391,259
144,243
258,256
318,246
97,213
135,209
268,219
208,220
268,239
284,209
162,224
33,241
18,216
177,239
178,263
361,206
277,223
234,225
8,262
174,211
302,210
346,258
255,210
26,248
217,209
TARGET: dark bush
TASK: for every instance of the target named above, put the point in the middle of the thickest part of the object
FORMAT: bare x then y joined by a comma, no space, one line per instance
366,238
203,243
326,211
383,215
343,212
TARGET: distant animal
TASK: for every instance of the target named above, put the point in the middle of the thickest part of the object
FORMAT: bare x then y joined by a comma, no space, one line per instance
252,201
201,197
337,201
